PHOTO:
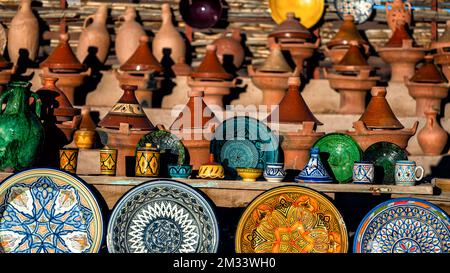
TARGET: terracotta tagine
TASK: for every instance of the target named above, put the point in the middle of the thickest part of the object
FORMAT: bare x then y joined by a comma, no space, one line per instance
86,136
401,54
398,13
230,46
23,33
432,138
272,76
339,45
168,37
128,35
428,87
181,68
195,127
95,35
442,45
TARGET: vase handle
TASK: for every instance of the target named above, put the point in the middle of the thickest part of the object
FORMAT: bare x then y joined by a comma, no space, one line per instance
422,173
86,21
38,102
3,96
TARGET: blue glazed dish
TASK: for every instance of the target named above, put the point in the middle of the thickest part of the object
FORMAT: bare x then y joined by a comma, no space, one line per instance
179,171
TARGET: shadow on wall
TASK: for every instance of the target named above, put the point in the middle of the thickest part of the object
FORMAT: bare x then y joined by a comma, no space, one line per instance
442,169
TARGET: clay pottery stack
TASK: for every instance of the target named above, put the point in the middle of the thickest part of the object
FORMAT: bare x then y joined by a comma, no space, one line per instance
211,78
85,137
6,70
128,35
401,54
124,125
272,76
65,66
181,68
95,36
442,45
339,45
286,119
23,33
432,137
195,126
230,47
379,123
295,38
168,37
351,78
398,13
428,87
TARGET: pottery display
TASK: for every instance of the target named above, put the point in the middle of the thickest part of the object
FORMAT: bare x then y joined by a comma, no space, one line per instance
128,35
70,222
179,171
309,11
147,161
211,169
360,9
274,172
384,155
201,14
314,171
168,37
23,34
398,13
94,36
432,138
271,223
68,160
210,68
163,216
21,132
230,47
406,173
86,136
108,161
363,172
403,225
249,174
142,59
168,143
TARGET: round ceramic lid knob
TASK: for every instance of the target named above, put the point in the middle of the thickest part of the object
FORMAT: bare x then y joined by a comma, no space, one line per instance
378,91
211,47
294,81
144,39
290,15
64,37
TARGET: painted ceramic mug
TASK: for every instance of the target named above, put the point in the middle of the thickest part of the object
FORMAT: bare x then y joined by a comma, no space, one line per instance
274,172
147,161
405,173
108,161
363,172
68,159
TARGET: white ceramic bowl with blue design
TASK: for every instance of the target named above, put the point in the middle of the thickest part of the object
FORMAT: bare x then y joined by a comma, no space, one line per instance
274,172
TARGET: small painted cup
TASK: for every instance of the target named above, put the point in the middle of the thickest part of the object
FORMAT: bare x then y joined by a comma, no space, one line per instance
180,171
108,161
68,159
274,172
363,172
147,161
406,173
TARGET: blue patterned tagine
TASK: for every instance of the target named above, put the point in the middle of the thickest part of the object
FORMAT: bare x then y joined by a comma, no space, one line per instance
314,170
179,171
274,172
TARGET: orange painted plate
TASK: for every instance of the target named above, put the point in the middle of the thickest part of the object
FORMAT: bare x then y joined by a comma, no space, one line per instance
291,219
309,11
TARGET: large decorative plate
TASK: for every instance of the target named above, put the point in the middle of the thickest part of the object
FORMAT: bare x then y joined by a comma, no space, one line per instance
340,151
309,11
244,142
163,216
169,144
404,225
291,219
48,211
360,9
384,155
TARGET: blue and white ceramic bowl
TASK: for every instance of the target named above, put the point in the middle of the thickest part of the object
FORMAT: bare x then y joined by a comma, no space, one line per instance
180,171
274,172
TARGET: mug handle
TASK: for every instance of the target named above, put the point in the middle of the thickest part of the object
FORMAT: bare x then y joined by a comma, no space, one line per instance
421,175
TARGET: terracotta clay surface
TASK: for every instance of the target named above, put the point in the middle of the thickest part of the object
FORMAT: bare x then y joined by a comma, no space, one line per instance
347,33
142,59
210,68
62,58
432,137
128,35
291,28
428,72
230,46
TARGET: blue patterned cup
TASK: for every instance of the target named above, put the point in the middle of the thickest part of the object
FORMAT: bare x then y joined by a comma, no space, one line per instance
363,172
180,171
405,173
274,172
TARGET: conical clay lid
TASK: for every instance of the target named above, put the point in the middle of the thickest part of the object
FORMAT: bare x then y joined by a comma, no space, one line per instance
194,115
293,108
378,114
86,120
276,61
142,59
353,60
62,58
347,33
291,28
398,36
211,68
428,73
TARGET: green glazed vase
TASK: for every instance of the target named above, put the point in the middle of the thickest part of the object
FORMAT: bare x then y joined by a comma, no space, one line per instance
21,132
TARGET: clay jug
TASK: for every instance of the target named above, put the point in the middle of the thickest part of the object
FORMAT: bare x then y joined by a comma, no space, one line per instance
398,13
432,138
23,33
230,46
168,37
21,132
95,35
127,39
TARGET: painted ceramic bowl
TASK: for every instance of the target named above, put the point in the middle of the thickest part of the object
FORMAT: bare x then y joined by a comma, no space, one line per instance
249,174
84,139
214,171
274,172
179,171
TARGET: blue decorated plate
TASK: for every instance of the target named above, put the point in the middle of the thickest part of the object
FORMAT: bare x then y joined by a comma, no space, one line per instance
244,142
163,216
404,225
360,9
48,211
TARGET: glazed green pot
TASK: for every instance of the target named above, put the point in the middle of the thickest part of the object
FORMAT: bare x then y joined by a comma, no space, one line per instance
21,132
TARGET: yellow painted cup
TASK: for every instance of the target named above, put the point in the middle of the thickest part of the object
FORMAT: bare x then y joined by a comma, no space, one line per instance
108,161
68,159
147,161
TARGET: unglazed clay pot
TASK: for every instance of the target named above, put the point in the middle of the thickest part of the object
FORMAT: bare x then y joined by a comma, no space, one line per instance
432,138
168,37
95,35
128,35
398,13
230,46
23,33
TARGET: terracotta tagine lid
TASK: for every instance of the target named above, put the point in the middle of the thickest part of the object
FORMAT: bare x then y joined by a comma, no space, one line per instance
378,114
347,33
210,68
398,36
86,119
127,110
193,113
293,108
276,61
291,28
62,59
428,73
353,60
142,59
